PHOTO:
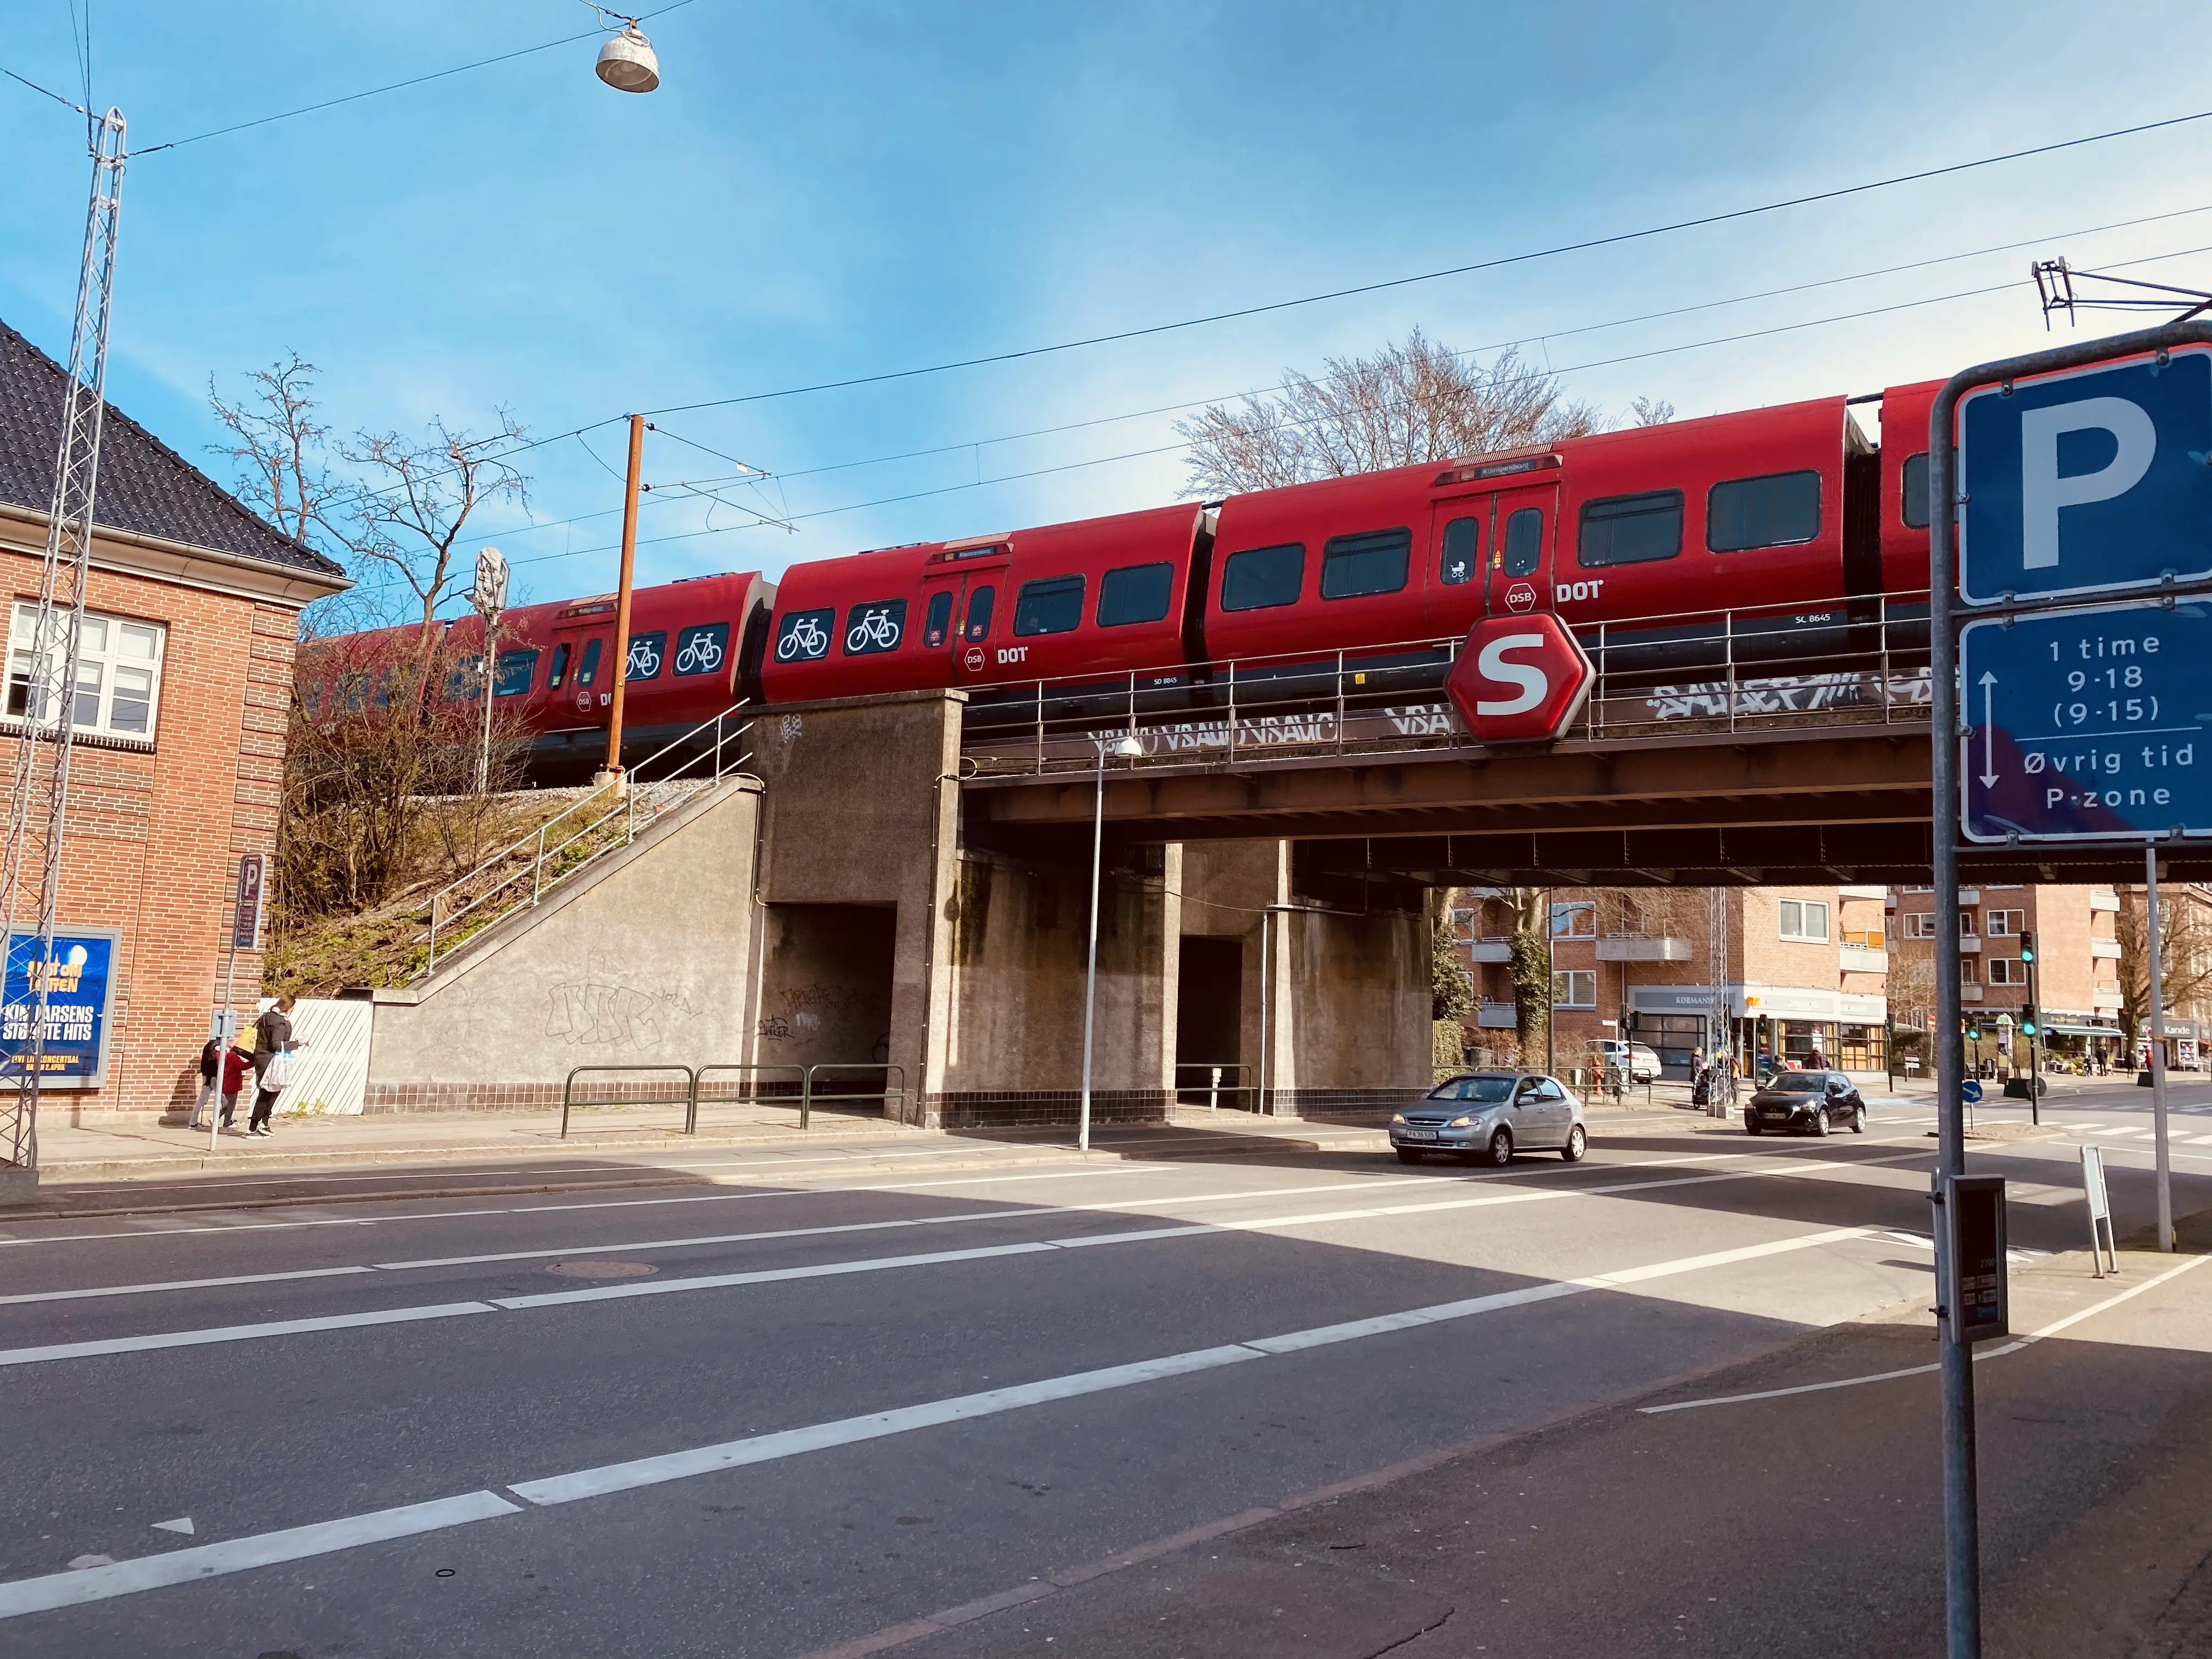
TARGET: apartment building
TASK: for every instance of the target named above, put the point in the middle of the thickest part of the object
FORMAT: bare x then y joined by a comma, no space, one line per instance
2077,960
1781,974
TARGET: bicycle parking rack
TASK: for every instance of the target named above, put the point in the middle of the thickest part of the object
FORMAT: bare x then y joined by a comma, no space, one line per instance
799,1081
694,1075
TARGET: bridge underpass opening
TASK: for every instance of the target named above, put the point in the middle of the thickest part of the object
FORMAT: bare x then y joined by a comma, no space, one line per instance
825,989
1209,1020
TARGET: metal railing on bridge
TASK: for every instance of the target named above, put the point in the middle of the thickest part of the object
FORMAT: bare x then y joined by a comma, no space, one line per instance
518,876
1843,662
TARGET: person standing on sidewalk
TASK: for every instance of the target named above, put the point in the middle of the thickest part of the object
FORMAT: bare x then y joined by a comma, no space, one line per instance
272,1036
237,1065
210,1068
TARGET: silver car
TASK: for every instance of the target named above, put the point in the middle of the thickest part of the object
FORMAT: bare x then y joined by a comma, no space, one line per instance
1491,1115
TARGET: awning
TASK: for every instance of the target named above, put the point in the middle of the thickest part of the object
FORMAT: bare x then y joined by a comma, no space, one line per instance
2085,1031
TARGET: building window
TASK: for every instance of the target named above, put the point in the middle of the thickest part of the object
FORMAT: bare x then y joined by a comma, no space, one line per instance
2008,970
1920,924
1966,974
1965,924
1575,987
1578,920
118,673
1806,920
2006,924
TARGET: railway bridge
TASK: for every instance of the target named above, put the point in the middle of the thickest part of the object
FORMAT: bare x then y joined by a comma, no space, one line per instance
904,880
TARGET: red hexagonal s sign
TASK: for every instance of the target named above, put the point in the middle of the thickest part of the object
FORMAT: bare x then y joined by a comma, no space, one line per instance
1519,679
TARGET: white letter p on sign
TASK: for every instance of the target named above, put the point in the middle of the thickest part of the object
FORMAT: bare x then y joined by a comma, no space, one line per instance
1529,678
2043,492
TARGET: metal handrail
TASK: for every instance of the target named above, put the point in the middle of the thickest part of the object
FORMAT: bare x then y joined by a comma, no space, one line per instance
1349,699
888,1095
1211,1086
700,1077
620,795
689,1099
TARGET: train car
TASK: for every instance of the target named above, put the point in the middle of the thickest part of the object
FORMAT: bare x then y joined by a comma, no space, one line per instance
1110,596
689,645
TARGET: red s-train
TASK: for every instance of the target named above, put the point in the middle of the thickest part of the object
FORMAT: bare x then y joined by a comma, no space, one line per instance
1784,506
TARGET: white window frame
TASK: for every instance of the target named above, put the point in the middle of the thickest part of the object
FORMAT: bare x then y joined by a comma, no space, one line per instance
1920,924
2006,971
1968,974
1804,910
2003,924
1575,978
104,667
1574,919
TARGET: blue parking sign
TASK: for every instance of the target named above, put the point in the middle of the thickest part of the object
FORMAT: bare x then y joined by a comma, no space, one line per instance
2088,480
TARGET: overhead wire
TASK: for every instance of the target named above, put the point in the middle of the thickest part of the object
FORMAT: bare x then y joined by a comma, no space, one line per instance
1200,402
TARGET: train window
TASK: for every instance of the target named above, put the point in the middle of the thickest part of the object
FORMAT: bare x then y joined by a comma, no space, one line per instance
513,673
1524,541
1259,578
646,653
379,692
1372,562
1779,510
1054,605
1915,491
702,647
1631,529
462,684
352,692
979,614
1135,593
875,627
805,635
1462,553
937,620
589,669
559,671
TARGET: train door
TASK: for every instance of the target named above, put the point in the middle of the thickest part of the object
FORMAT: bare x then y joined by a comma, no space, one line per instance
579,678
963,613
1458,557
1518,575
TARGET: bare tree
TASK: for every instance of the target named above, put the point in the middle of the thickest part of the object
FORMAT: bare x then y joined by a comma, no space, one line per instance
1649,411
408,514
2185,952
382,505
1419,401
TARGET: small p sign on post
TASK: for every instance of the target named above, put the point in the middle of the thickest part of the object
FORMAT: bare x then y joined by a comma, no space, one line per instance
252,888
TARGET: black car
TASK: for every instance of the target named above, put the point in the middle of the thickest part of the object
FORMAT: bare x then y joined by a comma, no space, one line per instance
1811,1103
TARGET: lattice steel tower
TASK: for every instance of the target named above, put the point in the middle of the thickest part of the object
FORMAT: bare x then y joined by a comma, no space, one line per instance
38,800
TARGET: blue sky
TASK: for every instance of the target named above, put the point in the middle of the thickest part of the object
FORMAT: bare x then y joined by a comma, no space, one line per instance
821,191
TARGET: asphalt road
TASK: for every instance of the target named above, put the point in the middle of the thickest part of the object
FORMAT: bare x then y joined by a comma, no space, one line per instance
738,1417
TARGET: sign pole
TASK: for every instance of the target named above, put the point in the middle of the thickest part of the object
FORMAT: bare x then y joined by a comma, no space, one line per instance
1961,1518
2155,980
247,905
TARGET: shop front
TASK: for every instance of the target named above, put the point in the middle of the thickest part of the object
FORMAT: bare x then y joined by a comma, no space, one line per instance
1767,1027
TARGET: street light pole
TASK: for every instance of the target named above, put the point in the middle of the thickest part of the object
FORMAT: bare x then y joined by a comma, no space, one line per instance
1127,745
622,596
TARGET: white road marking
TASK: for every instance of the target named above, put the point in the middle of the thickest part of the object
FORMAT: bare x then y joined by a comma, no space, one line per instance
67,1590
883,1264
183,1524
1980,1354
208,1560
234,1333
179,1284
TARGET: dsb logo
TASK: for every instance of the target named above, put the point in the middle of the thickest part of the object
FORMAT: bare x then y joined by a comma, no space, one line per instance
1519,679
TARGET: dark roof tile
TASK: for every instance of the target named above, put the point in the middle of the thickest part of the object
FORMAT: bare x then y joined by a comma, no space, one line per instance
146,488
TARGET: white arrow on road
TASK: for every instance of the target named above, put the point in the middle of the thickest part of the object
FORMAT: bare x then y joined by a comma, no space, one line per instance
1988,734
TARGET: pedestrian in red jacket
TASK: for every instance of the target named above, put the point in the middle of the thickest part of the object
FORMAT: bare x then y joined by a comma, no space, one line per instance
237,1067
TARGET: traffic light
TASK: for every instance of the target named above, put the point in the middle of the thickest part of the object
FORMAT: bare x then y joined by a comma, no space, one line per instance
2027,947
1973,1031
2027,1019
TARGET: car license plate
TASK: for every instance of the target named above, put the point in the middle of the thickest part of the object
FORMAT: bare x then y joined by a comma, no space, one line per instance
1420,1134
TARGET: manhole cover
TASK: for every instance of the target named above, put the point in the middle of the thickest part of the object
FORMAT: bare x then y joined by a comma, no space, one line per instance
602,1269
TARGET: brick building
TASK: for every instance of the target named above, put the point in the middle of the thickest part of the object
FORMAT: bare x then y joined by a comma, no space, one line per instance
191,614
1799,970
2078,960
